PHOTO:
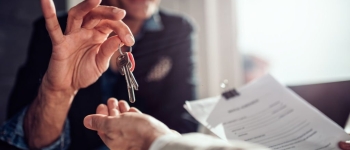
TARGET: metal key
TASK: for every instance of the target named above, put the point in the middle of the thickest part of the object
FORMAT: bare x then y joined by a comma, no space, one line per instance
130,74
132,77
124,66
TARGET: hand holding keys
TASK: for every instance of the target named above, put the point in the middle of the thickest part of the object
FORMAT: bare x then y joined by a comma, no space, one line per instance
124,65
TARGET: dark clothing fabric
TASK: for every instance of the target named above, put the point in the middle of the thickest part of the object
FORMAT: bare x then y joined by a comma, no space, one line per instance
162,99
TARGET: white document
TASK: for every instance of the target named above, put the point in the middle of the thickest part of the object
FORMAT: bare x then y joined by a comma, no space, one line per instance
267,113
200,110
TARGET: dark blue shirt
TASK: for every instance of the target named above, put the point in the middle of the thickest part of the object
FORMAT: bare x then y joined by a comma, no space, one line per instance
164,71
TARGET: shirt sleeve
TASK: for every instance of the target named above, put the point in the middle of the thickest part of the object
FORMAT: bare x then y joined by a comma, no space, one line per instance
161,141
12,132
202,142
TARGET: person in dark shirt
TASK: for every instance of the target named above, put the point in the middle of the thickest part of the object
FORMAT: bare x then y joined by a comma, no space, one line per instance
66,76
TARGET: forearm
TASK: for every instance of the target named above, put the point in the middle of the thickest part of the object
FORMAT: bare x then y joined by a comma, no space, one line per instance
44,120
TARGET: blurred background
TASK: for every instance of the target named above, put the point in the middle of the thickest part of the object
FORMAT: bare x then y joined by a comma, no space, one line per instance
304,44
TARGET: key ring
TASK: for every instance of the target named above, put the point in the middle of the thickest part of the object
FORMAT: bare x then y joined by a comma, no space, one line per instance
120,50
131,57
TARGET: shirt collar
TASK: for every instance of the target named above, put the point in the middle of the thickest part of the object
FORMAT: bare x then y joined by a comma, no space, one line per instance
153,24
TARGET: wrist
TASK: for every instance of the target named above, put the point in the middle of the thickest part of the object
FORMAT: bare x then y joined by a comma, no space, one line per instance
150,139
54,96
57,95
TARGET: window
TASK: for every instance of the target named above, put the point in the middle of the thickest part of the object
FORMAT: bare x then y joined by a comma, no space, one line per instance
302,41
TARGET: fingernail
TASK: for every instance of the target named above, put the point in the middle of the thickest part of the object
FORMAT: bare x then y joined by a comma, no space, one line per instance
130,39
115,10
119,13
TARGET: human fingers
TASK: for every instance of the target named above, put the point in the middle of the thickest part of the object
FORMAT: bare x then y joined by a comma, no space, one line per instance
107,49
123,106
344,145
102,12
132,60
113,107
133,109
102,109
52,25
77,13
96,122
119,28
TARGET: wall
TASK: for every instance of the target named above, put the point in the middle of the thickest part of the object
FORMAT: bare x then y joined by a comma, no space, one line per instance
16,18
217,57
304,41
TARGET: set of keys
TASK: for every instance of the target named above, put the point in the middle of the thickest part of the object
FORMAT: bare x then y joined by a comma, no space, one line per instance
124,65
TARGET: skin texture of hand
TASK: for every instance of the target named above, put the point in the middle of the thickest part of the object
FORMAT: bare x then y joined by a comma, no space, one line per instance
125,128
79,57
82,54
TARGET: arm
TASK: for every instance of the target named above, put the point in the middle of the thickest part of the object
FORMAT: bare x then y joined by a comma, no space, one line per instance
25,91
200,141
12,133
78,59
44,121
127,128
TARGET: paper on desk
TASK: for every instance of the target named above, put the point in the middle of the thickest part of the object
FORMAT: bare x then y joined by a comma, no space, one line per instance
200,110
268,113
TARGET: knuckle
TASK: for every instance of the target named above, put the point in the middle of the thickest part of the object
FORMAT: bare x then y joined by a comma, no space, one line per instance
94,124
71,11
52,28
50,16
91,16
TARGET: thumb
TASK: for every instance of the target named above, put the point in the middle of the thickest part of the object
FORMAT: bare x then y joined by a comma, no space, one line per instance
95,122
